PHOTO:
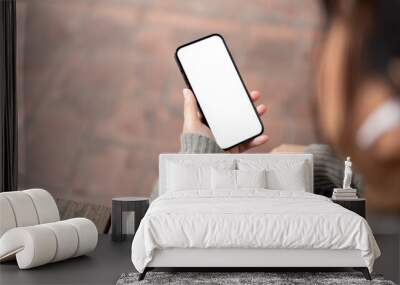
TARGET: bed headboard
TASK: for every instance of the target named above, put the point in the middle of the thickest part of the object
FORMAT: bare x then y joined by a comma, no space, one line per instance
214,157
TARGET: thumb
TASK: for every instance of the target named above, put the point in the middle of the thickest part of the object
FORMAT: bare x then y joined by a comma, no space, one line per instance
190,107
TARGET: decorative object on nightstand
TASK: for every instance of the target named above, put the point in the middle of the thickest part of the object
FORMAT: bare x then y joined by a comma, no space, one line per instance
347,196
127,212
346,192
355,205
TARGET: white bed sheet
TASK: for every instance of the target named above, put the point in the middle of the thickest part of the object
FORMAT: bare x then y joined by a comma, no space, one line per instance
251,218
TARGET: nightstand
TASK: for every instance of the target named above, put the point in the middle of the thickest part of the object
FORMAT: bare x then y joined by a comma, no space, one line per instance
127,212
355,205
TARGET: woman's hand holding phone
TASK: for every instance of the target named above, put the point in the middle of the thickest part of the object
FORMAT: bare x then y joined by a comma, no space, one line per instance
192,121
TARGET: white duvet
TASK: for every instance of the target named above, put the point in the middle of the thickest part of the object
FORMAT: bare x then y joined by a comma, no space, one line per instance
250,218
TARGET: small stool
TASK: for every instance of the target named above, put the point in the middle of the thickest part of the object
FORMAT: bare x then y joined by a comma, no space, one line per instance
122,208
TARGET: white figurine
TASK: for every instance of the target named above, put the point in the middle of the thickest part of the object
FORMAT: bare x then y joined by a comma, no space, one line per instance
347,174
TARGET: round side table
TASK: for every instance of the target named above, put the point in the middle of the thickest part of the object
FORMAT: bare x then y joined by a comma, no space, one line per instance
123,211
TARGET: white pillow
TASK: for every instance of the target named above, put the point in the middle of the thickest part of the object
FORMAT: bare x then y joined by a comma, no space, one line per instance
281,174
223,179
183,175
251,178
237,179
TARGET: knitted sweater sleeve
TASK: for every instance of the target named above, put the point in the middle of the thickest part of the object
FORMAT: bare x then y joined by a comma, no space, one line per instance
193,143
196,143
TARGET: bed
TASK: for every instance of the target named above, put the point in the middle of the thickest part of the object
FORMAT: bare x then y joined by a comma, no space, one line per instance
246,211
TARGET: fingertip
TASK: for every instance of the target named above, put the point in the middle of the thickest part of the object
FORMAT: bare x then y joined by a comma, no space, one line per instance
265,107
261,109
186,92
257,141
261,139
255,95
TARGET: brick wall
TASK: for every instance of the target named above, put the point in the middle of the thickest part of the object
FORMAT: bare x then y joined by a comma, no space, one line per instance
100,94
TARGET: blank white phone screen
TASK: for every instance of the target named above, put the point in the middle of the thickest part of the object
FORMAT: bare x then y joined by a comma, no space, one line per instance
219,91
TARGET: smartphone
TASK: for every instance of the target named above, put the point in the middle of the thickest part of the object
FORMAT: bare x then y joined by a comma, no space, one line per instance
209,71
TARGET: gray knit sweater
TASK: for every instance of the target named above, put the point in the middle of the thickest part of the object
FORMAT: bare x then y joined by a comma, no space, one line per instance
328,168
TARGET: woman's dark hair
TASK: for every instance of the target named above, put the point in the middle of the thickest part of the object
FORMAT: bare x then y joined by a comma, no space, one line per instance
383,45
380,47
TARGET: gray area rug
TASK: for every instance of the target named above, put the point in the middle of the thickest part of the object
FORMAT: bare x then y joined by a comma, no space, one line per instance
225,278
